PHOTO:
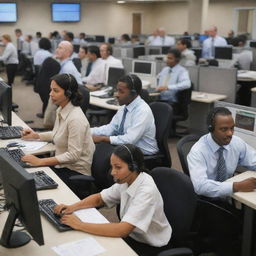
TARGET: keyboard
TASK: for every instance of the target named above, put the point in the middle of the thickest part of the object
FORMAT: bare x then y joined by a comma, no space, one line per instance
46,207
10,132
43,181
16,155
152,90
113,102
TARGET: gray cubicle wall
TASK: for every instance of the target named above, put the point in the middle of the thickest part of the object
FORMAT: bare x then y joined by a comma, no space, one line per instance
127,62
193,74
219,81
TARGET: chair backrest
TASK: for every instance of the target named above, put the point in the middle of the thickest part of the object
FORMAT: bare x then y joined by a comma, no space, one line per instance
163,119
78,64
183,147
50,67
86,98
145,95
179,200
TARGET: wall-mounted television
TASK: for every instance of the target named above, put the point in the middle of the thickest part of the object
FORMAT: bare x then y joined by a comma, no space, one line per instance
65,12
8,12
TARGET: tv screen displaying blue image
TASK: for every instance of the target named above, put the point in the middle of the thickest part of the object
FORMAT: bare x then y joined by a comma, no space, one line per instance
65,12
8,12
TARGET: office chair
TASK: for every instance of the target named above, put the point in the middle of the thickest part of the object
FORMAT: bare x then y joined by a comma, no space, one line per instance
163,117
86,98
145,95
77,63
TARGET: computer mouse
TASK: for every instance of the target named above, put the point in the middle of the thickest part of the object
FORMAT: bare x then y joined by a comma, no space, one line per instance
12,144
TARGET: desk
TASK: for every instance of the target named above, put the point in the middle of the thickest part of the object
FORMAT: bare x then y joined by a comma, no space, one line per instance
253,97
99,102
113,246
246,75
249,201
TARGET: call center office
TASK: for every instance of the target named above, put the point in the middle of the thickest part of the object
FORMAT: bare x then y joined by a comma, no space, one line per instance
154,55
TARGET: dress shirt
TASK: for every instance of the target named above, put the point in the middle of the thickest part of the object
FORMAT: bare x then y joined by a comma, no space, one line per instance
243,59
84,63
20,41
72,138
179,80
139,127
141,205
188,58
202,162
40,56
68,67
112,62
10,55
163,41
97,74
207,45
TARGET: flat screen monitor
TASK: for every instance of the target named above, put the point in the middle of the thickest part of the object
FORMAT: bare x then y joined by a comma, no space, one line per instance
165,49
253,44
6,103
154,51
138,51
8,12
146,68
100,39
21,201
202,38
114,74
224,52
65,12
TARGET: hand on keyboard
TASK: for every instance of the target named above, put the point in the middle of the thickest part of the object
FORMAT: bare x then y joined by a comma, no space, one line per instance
32,160
28,134
72,221
63,209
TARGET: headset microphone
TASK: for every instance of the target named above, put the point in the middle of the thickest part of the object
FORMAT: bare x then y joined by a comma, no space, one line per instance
120,180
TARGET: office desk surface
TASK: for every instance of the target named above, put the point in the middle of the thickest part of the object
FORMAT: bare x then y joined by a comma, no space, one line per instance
16,121
96,101
205,97
113,246
246,75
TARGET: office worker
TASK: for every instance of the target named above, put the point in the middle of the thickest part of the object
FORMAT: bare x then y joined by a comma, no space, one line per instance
188,57
43,51
212,41
95,73
141,205
133,123
71,133
83,56
172,78
163,39
10,58
125,39
29,46
215,157
20,39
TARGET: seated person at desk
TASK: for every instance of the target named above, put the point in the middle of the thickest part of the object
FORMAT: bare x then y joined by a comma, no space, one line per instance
95,73
43,52
215,157
133,123
83,50
71,133
188,57
172,78
143,222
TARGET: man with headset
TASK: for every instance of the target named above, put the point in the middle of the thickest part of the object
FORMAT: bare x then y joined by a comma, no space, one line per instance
215,157
133,123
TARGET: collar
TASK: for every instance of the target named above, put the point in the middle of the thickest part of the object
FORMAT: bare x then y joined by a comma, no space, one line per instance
62,63
213,145
64,112
175,68
133,104
131,190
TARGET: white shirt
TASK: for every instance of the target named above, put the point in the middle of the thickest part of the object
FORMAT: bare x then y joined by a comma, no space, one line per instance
141,205
209,42
10,55
97,74
68,67
243,59
30,48
40,56
84,66
188,58
112,62
164,41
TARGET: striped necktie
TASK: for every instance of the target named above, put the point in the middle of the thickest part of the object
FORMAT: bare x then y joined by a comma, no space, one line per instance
221,170
121,127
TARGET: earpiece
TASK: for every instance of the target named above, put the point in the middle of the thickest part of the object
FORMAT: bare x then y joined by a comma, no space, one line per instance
68,92
133,91
133,165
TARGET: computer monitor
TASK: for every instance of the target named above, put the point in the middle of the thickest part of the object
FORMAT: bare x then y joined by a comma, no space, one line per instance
100,39
253,44
6,102
154,51
202,38
21,200
138,51
165,49
65,12
111,40
145,68
223,52
244,117
8,12
114,74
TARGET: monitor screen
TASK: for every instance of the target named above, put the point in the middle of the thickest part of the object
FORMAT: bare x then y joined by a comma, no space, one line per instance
202,38
154,51
224,52
245,120
65,12
165,49
138,51
142,67
8,12
114,74
6,103
21,201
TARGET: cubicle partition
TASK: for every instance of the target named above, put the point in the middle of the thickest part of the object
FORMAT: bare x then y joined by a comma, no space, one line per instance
193,74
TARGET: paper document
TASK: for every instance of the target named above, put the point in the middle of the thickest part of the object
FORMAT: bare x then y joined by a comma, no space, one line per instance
29,145
86,247
91,215
100,92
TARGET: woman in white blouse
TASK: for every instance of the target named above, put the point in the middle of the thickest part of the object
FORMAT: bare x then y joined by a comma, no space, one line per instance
10,58
71,133
141,205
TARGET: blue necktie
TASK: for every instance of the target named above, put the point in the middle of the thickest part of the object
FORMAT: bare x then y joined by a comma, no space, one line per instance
121,127
89,69
221,170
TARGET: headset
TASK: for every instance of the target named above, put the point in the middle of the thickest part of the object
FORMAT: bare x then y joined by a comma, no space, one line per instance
68,92
133,90
133,165
210,119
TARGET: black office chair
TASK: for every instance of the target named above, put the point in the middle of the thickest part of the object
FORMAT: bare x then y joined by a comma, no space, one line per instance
86,98
78,64
163,117
145,95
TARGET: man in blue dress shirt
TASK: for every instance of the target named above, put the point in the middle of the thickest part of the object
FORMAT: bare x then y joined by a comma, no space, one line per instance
215,157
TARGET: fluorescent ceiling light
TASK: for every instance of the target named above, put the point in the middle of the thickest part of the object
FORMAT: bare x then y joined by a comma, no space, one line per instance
120,2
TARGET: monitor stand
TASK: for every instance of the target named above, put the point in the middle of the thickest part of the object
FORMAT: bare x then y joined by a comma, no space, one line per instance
10,238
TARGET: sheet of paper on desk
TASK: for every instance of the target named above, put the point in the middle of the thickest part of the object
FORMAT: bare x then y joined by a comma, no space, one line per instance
91,215
27,145
86,247
100,92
